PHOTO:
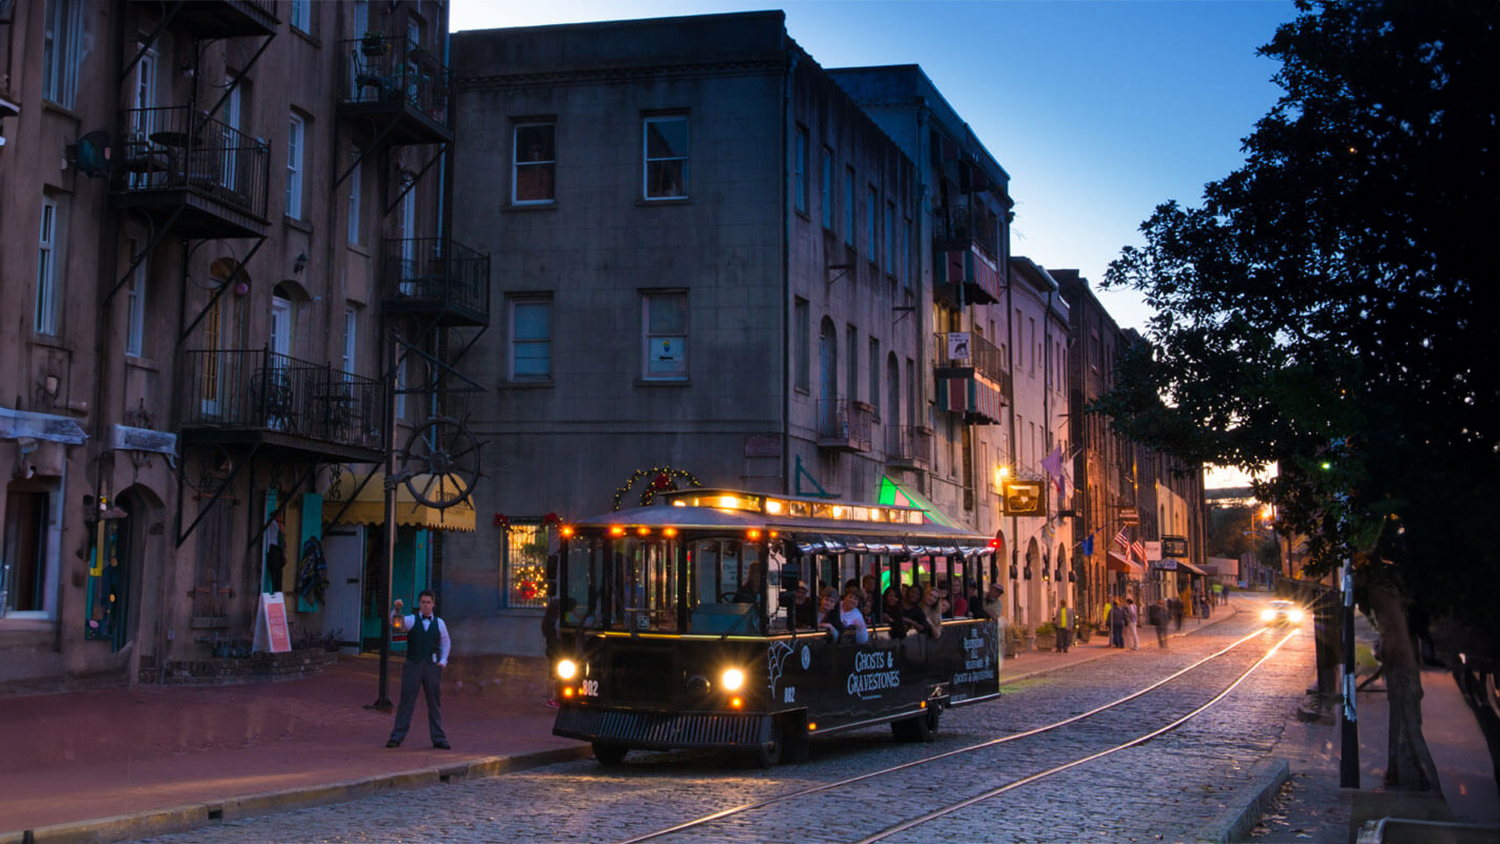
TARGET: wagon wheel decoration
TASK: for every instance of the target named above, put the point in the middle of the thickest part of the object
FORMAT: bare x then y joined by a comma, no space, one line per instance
663,479
208,470
440,463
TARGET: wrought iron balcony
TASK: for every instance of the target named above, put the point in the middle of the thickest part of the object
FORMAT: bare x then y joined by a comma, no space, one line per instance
960,226
977,384
207,177
844,425
242,395
436,277
908,446
390,77
220,18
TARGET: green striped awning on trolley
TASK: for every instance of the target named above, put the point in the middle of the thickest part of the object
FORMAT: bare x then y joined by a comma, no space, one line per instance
896,494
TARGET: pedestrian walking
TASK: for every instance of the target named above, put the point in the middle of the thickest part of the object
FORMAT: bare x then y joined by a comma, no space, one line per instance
1116,621
1157,615
1180,606
1132,625
427,646
1064,624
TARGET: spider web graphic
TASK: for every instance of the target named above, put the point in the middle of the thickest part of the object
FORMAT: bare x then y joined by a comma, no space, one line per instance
775,658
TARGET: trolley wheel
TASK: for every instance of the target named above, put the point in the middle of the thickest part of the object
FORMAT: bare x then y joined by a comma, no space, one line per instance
609,755
767,755
918,728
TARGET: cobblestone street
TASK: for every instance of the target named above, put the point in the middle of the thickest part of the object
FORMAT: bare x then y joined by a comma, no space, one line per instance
1168,789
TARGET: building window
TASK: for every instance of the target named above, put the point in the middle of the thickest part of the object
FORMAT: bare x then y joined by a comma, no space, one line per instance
135,308
401,353
666,164
875,375
851,342
849,206
872,214
825,189
906,257
355,179
803,326
531,339
890,218
301,15
523,564
664,317
61,51
24,578
535,163
351,338
45,314
296,133
799,170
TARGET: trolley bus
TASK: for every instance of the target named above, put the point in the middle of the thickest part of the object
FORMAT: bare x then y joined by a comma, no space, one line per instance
684,627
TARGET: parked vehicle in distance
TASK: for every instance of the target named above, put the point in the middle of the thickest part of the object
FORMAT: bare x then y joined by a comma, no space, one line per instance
1282,612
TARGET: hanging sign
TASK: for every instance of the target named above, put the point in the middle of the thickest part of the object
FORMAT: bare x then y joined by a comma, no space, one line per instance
271,632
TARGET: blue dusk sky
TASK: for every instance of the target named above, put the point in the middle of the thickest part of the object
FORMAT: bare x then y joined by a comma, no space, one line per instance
1098,110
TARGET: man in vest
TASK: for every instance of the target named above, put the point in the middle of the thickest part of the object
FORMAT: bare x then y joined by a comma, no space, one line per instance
427,646
1064,627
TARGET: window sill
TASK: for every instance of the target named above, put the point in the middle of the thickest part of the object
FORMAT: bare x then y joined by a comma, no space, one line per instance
530,385
663,382
666,200
59,108
50,341
137,362
803,391
531,206
359,249
802,212
298,224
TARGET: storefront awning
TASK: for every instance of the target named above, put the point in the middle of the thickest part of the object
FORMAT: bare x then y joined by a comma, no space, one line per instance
368,508
893,494
1116,562
1184,564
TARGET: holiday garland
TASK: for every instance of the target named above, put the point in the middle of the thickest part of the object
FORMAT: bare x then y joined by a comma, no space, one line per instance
663,479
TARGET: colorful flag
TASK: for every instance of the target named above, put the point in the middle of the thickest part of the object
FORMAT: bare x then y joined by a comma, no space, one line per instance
1120,539
1088,545
1139,549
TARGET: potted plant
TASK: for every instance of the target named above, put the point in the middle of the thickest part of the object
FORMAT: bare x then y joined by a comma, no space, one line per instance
374,44
1014,636
1082,630
1046,636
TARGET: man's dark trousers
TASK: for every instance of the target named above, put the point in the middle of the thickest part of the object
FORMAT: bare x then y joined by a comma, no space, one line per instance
421,671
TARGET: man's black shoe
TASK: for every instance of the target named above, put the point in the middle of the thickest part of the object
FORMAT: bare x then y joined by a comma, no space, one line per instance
393,743
442,745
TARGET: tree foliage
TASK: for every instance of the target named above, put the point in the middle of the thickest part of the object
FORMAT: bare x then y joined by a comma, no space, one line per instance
1323,308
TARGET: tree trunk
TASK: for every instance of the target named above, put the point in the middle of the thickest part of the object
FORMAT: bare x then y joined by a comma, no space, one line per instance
1410,765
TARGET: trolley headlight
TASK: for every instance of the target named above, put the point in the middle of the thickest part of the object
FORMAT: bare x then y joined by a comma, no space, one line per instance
732,680
1295,616
1267,615
567,669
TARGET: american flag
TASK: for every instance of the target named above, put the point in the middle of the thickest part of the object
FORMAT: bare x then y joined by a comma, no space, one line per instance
1139,549
1120,539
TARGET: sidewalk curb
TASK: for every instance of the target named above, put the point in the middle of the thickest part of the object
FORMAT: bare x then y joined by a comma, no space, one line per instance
153,822
1249,803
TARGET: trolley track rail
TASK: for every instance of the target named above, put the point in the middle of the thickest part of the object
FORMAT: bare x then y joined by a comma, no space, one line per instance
943,811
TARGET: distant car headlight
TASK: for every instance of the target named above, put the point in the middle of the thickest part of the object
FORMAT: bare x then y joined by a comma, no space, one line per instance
1267,615
567,669
732,680
1296,616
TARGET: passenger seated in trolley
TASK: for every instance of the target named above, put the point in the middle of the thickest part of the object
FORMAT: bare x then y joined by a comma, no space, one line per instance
911,610
845,621
892,613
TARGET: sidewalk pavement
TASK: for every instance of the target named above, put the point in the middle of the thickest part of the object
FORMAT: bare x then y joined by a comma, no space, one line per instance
113,764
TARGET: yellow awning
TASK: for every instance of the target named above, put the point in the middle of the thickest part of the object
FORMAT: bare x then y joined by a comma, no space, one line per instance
368,508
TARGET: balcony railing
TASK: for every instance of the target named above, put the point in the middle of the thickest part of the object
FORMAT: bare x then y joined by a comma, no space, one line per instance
259,390
224,18
437,275
984,357
179,149
844,425
908,445
387,71
959,226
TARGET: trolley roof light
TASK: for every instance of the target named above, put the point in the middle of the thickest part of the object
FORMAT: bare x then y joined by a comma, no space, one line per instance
722,499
